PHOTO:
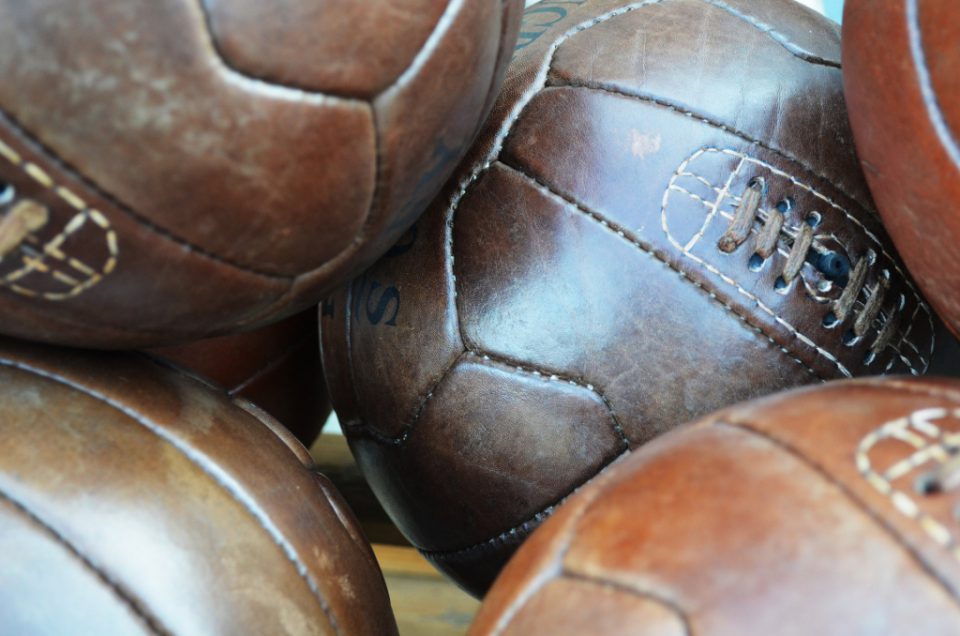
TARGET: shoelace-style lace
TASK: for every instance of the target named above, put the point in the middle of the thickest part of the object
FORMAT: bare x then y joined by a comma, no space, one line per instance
834,266
23,217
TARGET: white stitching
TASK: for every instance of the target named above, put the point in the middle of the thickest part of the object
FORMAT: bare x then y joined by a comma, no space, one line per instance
36,261
916,430
546,191
682,170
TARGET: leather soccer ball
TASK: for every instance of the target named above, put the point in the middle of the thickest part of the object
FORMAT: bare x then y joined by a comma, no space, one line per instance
663,216
175,170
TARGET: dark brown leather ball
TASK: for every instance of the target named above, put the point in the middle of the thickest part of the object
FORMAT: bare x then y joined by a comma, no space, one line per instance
136,500
175,170
663,216
902,78
822,511
276,367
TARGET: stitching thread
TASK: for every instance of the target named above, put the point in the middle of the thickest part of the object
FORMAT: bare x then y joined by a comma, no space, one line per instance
126,209
687,113
922,422
34,261
151,622
685,250
619,231
774,35
849,494
493,360
201,461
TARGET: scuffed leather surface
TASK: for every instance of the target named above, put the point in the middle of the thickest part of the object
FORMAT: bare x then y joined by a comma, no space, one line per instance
902,80
276,367
231,187
781,516
170,508
555,261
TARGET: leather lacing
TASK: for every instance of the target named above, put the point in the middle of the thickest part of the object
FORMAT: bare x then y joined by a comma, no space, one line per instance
834,266
23,217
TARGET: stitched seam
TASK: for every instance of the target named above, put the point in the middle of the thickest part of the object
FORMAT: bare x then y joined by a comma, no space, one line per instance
723,127
619,587
924,450
206,466
36,262
684,250
517,533
366,430
774,35
631,239
141,612
430,45
925,81
492,359
851,497
918,301
291,89
569,528
124,208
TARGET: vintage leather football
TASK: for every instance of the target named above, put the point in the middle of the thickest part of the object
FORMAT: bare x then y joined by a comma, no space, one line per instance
179,169
830,510
276,367
663,216
902,78
135,499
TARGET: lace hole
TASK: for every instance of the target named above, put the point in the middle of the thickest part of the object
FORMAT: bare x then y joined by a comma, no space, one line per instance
814,219
756,263
850,338
830,320
7,193
834,265
869,358
781,285
785,205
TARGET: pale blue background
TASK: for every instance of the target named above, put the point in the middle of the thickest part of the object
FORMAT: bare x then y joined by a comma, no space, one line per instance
834,9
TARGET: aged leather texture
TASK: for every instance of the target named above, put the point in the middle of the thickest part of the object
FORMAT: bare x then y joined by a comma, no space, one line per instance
135,499
794,514
576,290
276,367
902,80
207,166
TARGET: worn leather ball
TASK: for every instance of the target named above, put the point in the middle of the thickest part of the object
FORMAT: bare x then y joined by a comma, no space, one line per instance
902,78
175,170
663,216
276,367
135,499
822,511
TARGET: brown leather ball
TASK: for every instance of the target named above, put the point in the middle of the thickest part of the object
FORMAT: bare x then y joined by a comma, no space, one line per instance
902,78
136,500
175,170
821,511
663,216
276,367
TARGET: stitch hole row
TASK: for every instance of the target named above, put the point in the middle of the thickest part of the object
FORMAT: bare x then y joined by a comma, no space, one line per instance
830,320
849,338
756,263
7,193
781,285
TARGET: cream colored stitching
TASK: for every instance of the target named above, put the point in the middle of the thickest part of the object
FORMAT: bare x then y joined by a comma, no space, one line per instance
33,256
930,443
764,213
683,170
